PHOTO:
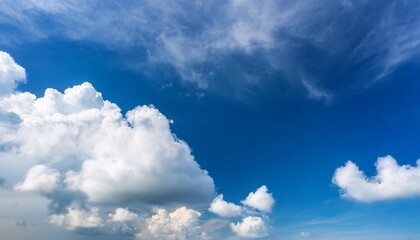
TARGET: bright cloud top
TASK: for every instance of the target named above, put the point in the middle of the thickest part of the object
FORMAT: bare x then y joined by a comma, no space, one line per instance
183,223
123,215
223,208
391,181
10,73
39,178
250,227
260,199
76,218
99,152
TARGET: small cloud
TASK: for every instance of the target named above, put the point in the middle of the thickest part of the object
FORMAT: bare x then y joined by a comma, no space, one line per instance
123,215
250,227
305,234
391,181
223,208
260,199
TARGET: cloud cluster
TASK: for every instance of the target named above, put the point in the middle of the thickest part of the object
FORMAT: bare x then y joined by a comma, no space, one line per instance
236,43
391,181
78,151
250,226
180,224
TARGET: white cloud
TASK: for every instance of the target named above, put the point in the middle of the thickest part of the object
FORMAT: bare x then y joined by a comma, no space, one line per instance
250,227
77,218
77,149
260,199
305,234
182,224
10,74
109,157
123,215
223,208
391,181
39,178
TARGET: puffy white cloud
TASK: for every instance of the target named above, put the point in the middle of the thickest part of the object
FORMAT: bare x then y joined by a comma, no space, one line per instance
260,199
144,159
250,227
109,157
77,149
223,208
182,224
123,215
39,178
77,218
10,73
391,181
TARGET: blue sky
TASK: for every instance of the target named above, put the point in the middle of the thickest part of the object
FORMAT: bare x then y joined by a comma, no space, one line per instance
234,96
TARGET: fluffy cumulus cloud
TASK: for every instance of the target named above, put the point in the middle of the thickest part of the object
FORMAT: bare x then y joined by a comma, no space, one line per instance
260,199
223,208
108,157
39,178
250,227
391,181
202,40
10,73
89,160
252,224
123,215
78,218
180,224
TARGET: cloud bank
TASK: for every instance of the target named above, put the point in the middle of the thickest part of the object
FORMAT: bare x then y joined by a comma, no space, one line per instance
89,160
390,182
103,172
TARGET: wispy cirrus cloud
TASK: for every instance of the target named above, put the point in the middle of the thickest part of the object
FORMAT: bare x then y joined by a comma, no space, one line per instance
236,45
